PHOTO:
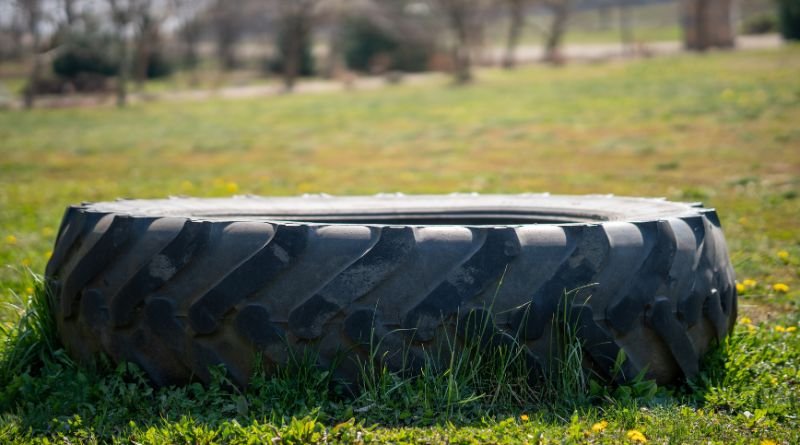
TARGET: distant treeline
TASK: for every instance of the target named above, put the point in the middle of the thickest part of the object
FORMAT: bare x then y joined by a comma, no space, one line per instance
98,45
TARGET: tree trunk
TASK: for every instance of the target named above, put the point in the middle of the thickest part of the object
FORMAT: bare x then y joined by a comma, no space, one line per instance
516,16
701,24
33,79
69,12
708,24
625,27
124,72
291,58
226,50
34,16
552,46
463,64
458,11
227,23
190,34
146,41
141,62
297,26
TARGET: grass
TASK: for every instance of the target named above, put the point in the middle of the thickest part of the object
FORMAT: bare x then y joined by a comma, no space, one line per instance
719,128
649,23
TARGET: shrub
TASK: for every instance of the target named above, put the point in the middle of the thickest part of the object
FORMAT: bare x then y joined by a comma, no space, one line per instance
760,24
158,65
85,58
275,64
85,53
789,19
372,48
365,43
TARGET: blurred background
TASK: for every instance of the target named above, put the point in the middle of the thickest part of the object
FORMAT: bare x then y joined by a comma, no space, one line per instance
692,100
81,51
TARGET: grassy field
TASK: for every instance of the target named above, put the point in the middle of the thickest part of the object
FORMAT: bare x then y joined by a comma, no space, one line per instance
720,128
649,23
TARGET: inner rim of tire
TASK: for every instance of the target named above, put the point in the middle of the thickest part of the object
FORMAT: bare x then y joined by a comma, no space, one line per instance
498,218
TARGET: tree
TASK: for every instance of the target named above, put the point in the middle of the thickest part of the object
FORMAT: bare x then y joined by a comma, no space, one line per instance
558,27
294,23
516,21
462,19
335,14
146,29
32,12
16,31
124,13
707,24
227,20
389,36
189,30
294,34
70,15
789,15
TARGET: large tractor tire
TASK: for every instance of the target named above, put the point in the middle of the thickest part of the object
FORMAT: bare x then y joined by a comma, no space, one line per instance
182,284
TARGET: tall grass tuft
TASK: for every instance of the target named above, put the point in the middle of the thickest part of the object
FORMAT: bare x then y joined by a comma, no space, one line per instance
34,335
477,368
566,379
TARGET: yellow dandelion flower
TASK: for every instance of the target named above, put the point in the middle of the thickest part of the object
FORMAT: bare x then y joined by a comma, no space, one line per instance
774,381
780,328
780,288
750,283
745,320
784,255
29,290
599,426
305,187
740,288
751,328
26,262
524,417
768,442
791,329
48,254
232,187
11,239
636,436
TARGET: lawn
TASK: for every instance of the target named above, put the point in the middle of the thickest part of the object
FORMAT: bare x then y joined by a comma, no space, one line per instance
655,22
720,128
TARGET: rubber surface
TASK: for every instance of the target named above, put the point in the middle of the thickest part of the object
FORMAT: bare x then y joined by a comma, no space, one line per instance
178,285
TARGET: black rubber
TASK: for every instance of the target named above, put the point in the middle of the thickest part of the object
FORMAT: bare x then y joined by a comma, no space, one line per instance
178,285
